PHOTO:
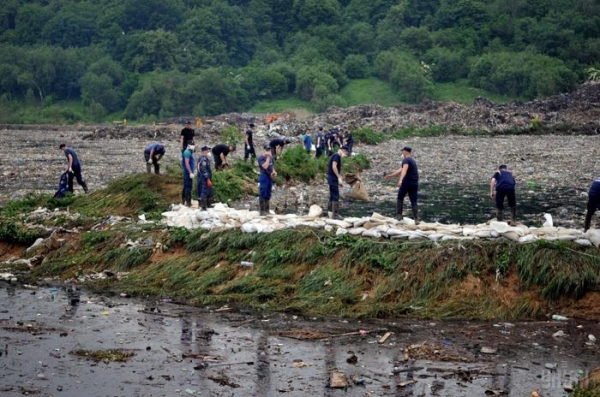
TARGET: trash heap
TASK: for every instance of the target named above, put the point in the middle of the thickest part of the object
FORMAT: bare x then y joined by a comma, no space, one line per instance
375,226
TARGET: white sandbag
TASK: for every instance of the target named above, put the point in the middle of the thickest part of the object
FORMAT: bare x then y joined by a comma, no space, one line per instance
315,211
511,235
594,236
339,223
356,231
328,228
435,236
583,241
341,232
530,238
371,233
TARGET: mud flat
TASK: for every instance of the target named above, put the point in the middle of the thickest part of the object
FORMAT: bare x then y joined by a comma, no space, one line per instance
179,350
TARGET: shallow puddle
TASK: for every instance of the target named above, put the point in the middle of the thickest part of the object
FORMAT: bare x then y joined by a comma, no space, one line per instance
182,350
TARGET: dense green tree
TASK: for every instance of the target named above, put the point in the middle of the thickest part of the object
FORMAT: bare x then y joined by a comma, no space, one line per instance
151,14
446,65
521,74
315,12
356,66
72,26
416,39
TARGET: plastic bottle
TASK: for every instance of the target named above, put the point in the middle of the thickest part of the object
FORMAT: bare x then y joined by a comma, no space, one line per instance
247,264
558,317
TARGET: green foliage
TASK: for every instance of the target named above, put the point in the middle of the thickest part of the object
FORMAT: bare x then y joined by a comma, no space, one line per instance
296,164
368,136
231,135
369,91
147,60
16,233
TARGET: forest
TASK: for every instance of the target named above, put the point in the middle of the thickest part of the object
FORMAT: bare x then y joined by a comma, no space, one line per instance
146,60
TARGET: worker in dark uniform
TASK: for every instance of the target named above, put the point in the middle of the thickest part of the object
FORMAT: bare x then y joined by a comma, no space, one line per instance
276,145
502,184
220,153
186,136
152,156
349,141
73,168
593,203
334,180
267,172
408,183
204,178
249,143
187,162
320,143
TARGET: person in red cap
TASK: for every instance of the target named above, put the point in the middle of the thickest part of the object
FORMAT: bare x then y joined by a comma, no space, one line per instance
408,183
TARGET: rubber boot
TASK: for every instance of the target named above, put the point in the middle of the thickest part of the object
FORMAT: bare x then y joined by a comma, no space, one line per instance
203,202
513,216
499,216
329,214
182,197
399,209
335,206
415,211
85,188
267,207
588,221
188,199
261,207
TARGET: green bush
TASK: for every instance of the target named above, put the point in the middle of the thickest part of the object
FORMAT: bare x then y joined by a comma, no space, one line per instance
368,136
295,163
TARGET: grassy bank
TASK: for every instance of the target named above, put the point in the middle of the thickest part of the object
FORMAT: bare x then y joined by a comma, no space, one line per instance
297,270
310,272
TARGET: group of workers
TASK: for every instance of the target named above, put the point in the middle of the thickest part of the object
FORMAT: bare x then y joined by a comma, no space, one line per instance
502,182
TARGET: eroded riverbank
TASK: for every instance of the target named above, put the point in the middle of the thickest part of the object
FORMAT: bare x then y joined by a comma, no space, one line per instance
214,351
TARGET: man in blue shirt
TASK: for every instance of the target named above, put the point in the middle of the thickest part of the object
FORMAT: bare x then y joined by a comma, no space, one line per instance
593,203
307,140
502,185
187,162
152,156
266,168
334,169
204,178
73,168
408,183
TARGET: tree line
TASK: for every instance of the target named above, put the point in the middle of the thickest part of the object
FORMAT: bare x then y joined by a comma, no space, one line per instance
161,58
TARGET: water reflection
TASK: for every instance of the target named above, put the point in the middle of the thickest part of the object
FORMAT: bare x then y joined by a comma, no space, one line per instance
471,204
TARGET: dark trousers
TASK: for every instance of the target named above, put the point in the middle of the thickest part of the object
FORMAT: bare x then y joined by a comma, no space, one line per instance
508,193
154,163
265,186
187,184
203,189
319,152
249,151
76,174
218,161
411,190
593,200
334,188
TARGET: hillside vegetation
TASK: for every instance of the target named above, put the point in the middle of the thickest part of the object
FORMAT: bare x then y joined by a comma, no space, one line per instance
68,61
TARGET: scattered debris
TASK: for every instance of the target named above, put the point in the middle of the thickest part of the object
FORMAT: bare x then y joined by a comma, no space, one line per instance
384,337
338,380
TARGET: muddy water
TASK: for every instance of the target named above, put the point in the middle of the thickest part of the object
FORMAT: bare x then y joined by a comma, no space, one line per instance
183,351
455,203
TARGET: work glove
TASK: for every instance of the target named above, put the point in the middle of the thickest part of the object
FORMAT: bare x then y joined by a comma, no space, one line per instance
150,161
209,183
192,175
70,170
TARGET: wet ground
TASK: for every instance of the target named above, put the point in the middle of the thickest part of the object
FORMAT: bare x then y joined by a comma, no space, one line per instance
182,351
